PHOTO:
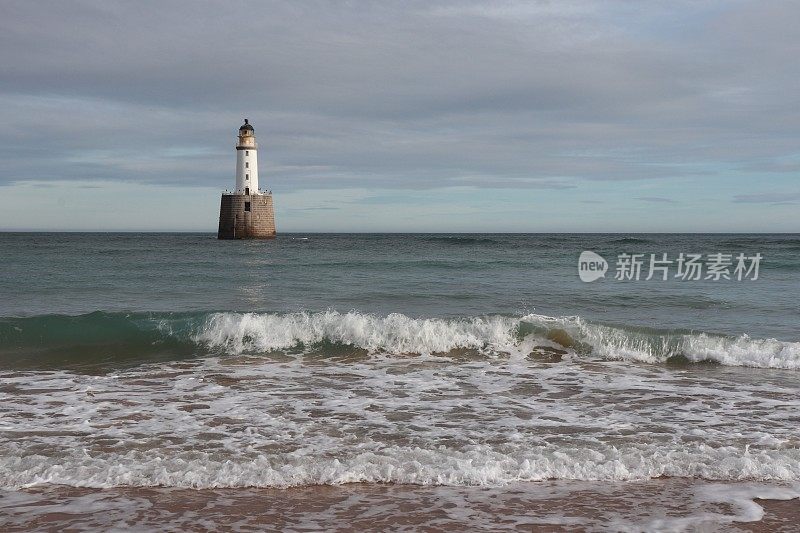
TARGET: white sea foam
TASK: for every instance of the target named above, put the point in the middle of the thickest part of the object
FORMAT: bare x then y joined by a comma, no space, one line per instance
738,497
478,465
238,333
619,343
395,333
743,351
278,421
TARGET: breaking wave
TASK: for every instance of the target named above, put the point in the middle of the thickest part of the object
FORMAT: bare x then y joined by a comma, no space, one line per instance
56,340
480,466
399,334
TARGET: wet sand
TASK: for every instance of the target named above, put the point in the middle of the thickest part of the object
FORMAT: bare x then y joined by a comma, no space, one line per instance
779,515
657,505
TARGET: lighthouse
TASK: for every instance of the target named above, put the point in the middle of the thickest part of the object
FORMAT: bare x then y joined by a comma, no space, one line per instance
247,212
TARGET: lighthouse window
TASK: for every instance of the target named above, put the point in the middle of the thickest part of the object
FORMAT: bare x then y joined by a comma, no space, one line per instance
247,206
247,176
247,152
246,164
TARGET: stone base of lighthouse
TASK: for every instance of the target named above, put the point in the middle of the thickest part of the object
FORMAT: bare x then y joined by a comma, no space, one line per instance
246,216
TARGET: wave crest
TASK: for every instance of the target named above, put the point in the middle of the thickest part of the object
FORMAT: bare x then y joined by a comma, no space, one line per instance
132,338
237,333
652,346
394,333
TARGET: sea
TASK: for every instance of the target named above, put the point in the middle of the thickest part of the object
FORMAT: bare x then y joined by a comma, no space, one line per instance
403,382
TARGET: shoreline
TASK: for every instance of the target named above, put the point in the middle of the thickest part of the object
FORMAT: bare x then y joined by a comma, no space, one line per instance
666,504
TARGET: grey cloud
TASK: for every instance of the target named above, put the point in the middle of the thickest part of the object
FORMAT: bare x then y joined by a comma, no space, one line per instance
772,166
397,94
656,199
314,209
768,198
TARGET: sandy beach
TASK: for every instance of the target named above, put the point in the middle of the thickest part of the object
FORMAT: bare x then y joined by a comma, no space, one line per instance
656,505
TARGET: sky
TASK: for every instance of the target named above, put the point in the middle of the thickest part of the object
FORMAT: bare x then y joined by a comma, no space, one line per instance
431,116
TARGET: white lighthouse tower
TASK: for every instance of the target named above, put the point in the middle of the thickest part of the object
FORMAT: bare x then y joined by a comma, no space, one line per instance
247,161
246,213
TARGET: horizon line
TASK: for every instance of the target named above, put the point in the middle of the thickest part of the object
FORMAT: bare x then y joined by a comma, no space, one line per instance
212,232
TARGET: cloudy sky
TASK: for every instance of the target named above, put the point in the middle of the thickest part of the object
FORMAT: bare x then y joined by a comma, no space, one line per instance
404,116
